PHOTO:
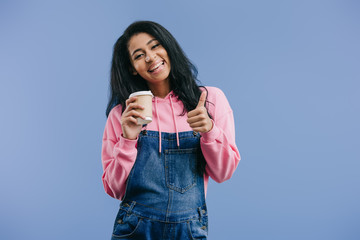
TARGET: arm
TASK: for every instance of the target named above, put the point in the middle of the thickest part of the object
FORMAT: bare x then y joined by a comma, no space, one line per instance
218,145
118,156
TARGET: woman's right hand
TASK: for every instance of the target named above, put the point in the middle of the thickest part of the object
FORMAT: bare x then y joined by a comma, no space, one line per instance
129,126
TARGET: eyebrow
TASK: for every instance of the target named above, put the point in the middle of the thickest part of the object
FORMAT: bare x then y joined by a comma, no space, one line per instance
146,44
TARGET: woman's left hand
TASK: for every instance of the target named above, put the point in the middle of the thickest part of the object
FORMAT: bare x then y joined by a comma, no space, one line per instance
198,118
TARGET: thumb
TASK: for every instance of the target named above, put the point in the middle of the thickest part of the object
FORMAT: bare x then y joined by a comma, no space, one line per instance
202,99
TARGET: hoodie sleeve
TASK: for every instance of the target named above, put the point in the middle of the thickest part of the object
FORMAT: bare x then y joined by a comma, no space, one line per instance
218,145
118,156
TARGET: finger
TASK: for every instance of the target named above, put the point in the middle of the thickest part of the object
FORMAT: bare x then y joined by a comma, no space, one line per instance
196,118
134,113
132,106
192,113
202,99
130,100
132,120
129,121
200,129
203,127
197,129
196,111
197,124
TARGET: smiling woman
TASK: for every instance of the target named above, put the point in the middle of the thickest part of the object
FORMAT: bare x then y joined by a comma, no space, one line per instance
150,60
160,171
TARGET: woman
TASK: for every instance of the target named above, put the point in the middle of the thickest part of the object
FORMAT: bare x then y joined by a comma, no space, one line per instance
160,171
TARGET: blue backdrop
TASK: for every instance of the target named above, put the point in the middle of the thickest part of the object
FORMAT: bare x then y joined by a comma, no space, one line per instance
290,70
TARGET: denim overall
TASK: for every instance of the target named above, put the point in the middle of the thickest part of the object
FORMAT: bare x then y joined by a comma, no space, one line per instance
164,196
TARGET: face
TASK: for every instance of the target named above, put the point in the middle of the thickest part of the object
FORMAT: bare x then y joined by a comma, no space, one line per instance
149,58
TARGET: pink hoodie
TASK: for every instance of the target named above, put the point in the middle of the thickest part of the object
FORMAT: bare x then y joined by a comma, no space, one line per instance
218,145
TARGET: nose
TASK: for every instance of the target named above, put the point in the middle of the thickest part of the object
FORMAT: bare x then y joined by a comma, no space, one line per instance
149,58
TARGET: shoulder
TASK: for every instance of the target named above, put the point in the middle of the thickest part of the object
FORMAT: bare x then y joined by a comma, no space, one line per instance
215,95
115,113
217,103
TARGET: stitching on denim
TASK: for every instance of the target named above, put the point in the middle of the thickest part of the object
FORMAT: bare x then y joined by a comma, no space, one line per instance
168,174
164,211
157,220
189,230
130,234
169,204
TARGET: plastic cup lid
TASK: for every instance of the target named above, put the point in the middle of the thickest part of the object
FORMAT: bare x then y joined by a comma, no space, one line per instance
134,94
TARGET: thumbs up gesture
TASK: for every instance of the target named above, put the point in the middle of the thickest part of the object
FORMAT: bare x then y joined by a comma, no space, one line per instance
198,118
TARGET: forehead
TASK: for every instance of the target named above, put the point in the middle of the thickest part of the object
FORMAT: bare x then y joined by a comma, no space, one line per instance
139,40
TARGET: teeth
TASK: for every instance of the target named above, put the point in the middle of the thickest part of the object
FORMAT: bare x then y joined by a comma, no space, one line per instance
156,66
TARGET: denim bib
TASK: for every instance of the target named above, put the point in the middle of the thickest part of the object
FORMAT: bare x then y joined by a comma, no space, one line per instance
164,197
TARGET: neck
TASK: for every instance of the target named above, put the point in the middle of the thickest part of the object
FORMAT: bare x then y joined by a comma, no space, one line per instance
160,90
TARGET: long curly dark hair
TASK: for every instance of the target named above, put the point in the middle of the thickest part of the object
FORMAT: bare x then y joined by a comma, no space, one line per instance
183,74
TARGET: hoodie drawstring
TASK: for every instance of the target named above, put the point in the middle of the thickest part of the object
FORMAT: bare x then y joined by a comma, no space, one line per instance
158,118
177,133
159,122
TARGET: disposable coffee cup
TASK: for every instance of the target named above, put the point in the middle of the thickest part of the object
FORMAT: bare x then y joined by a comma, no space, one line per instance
144,98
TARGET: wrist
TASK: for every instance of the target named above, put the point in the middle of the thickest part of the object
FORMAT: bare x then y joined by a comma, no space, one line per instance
128,137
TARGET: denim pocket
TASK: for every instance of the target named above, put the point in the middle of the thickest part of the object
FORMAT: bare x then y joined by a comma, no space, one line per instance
198,229
180,168
125,225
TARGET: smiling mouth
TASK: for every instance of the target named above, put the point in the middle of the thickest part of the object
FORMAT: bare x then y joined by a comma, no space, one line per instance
156,66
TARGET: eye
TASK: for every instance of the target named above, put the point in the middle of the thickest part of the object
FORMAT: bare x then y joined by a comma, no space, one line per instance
155,46
138,56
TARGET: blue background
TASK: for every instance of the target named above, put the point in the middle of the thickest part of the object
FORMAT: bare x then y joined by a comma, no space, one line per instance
290,70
